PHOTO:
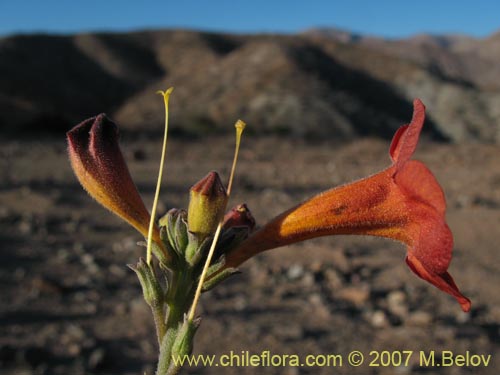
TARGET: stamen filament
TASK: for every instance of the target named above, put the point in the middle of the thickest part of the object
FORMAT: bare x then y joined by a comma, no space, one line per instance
240,126
166,96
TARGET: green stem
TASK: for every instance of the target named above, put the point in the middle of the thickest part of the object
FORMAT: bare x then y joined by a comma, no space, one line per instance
178,304
165,356
175,314
173,369
159,318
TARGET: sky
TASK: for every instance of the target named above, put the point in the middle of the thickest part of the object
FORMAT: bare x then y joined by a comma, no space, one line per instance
391,18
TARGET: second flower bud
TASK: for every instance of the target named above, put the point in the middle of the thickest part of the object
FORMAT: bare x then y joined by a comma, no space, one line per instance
207,203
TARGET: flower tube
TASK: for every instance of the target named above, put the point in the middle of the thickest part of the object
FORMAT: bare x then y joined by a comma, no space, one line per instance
403,202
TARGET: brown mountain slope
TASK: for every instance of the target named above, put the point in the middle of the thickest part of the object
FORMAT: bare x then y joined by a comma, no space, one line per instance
310,84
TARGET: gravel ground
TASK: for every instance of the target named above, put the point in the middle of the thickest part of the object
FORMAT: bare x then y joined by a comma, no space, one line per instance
70,305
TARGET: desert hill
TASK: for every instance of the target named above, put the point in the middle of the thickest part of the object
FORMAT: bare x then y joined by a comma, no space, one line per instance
320,83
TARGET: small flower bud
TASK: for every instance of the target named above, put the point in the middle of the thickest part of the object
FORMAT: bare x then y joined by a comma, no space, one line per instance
207,203
239,216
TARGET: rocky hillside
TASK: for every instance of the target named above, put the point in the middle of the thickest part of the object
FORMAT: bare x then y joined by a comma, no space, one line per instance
322,83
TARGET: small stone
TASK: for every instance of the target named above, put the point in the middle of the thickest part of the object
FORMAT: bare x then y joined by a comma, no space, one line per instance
76,332
74,349
333,279
340,261
419,319
358,296
83,280
396,303
462,317
96,358
240,303
295,272
315,299
25,226
378,319
316,267
89,261
308,280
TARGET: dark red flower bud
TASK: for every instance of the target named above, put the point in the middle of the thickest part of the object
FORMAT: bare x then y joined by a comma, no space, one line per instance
239,216
99,165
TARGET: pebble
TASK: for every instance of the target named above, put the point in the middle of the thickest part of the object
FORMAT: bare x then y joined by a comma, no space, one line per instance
295,272
419,319
96,358
462,317
89,261
73,349
240,303
358,296
396,303
308,280
378,319
25,226
316,267
333,279
340,261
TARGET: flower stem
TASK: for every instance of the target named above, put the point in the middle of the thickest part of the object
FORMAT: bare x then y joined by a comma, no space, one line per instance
240,126
159,318
166,96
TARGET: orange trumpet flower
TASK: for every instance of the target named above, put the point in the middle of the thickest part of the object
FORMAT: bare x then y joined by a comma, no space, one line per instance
403,202
98,164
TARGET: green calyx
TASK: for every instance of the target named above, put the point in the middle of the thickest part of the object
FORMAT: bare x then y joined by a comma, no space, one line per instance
153,292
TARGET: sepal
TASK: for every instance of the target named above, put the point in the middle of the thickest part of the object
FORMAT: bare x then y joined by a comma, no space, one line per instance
216,274
183,344
175,224
152,290
197,248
